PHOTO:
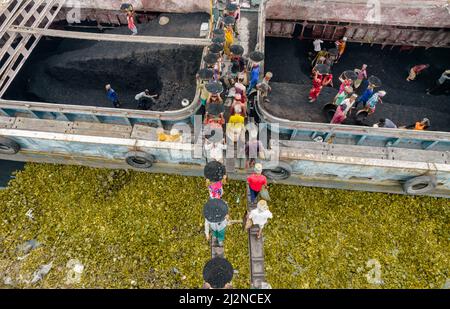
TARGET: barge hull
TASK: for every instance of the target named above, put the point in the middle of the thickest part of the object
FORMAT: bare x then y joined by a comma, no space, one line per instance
311,163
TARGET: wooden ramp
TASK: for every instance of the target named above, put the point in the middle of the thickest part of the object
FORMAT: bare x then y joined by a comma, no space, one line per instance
256,251
216,250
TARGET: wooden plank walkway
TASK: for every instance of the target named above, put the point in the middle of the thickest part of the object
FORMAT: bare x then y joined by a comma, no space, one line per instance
256,250
110,37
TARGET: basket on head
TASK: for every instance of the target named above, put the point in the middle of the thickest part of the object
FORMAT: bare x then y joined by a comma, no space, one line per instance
350,75
237,50
215,210
220,39
218,32
373,80
215,48
218,272
214,87
206,74
211,58
229,20
214,171
126,7
231,7
256,56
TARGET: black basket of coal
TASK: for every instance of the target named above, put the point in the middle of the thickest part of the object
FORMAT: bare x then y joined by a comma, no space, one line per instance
220,39
214,171
229,20
215,210
218,32
211,58
373,80
231,7
333,51
350,75
126,7
322,68
218,272
215,48
214,87
215,109
256,56
206,74
237,50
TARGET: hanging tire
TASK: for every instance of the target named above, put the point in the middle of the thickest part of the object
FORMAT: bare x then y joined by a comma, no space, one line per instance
420,185
139,159
8,146
328,111
280,172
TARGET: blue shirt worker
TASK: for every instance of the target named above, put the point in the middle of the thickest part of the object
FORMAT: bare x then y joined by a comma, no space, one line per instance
367,94
254,77
112,96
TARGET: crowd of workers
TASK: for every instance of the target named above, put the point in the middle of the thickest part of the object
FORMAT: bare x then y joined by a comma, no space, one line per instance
224,86
229,79
347,101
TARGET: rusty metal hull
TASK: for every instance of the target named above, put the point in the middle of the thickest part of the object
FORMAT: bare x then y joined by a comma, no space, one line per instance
312,164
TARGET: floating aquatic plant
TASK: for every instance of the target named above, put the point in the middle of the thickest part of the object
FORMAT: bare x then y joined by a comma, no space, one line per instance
139,230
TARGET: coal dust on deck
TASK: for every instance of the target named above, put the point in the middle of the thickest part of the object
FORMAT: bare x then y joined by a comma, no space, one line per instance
72,71
405,102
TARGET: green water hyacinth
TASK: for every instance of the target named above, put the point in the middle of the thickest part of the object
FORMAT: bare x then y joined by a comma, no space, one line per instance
99,228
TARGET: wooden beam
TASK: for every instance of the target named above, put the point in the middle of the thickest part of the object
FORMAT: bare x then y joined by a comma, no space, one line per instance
110,37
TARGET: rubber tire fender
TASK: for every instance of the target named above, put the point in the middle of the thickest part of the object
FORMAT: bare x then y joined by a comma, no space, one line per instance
139,159
282,171
8,146
420,185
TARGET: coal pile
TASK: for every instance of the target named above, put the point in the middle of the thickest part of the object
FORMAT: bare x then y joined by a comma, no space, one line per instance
405,103
76,71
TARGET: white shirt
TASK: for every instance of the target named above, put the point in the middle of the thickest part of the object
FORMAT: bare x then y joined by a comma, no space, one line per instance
215,226
348,104
260,217
215,150
142,95
443,78
317,46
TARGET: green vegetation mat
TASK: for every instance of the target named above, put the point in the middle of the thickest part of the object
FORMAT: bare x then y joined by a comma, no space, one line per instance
144,230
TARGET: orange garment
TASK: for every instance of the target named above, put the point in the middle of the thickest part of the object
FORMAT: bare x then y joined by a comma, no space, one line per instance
419,126
341,47
163,137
